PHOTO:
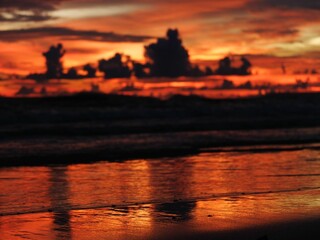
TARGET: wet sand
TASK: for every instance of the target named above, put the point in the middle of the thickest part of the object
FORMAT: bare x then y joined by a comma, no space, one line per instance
238,193
133,222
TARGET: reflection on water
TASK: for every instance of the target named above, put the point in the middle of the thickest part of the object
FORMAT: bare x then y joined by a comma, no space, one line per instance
59,200
178,211
141,198
173,180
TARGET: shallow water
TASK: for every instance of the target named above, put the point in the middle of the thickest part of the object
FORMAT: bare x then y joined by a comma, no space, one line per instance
137,199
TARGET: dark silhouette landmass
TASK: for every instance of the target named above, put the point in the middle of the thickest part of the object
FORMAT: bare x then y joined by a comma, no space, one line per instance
167,57
134,127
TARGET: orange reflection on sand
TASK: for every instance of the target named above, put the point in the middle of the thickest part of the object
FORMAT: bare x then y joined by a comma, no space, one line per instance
115,223
32,226
118,184
257,210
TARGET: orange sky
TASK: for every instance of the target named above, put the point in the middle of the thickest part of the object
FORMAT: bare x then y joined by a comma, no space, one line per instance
271,32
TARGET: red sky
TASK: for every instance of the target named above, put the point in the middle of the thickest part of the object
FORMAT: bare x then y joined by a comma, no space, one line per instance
271,32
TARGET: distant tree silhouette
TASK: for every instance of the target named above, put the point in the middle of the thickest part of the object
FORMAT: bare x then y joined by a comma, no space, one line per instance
139,69
246,85
196,72
72,74
314,71
25,91
43,91
306,71
225,67
39,77
302,84
115,67
91,71
245,67
53,61
168,57
208,71
227,84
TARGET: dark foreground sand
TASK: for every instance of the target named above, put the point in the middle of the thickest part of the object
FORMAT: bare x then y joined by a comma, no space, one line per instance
308,229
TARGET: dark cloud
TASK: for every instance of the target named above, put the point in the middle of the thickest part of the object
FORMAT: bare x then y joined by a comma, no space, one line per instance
273,32
75,50
67,34
286,4
26,10
34,5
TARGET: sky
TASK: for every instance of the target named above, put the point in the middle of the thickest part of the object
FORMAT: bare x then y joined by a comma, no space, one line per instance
269,32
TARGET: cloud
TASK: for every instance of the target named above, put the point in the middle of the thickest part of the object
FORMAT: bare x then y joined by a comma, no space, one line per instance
34,5
78,50
27,10
273,32
20,17
286,4
210,29
68,34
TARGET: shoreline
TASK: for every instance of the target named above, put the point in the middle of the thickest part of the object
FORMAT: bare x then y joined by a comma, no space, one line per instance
110,154
295,228
87,128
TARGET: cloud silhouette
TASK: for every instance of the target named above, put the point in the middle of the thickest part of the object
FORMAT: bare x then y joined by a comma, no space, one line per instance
33,5
67,34
286,4
26,10
272,32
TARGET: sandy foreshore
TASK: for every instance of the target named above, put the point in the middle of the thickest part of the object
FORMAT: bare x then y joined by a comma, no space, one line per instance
240,192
